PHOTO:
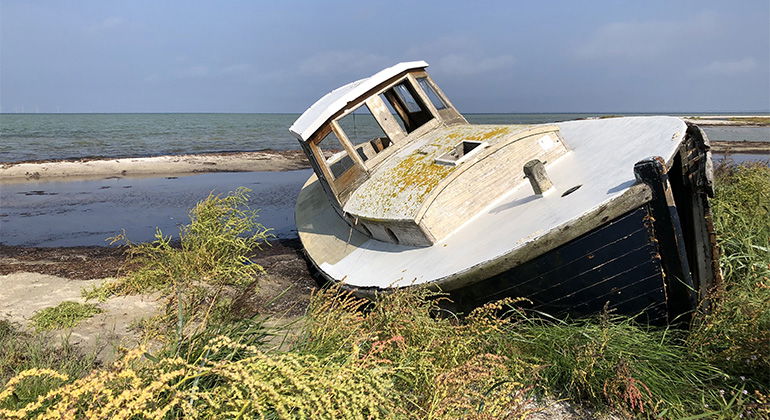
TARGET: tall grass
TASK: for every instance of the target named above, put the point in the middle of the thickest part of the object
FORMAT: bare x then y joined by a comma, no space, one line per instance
21,351
735,335
212,254
614,363
441,367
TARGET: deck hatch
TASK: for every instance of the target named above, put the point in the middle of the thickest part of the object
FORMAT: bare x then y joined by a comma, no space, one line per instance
461,152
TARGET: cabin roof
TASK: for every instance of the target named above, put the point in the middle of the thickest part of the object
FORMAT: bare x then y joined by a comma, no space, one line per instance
315,116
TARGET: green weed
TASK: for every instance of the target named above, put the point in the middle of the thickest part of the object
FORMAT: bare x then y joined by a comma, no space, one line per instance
21,351
735,334
213,254
64,315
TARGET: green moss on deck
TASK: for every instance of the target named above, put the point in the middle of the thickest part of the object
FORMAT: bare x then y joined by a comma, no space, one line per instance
399,189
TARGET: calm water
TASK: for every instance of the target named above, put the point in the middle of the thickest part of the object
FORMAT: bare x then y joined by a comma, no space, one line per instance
85,213
62,136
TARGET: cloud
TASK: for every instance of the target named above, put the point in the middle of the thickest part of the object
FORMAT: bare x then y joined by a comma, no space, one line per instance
645,40
744,65
335,62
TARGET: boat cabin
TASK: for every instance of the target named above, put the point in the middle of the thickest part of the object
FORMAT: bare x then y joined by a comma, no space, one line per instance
427,171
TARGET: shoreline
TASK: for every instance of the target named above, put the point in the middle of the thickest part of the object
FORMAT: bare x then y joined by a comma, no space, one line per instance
187,164
191,164
730,120
743,147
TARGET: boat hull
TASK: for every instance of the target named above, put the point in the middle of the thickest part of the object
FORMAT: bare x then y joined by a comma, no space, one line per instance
651,254
616,267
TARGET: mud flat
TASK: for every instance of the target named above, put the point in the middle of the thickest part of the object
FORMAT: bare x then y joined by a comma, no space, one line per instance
267,160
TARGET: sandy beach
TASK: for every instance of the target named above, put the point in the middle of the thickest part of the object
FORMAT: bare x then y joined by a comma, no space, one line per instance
267,160
64,272
734,120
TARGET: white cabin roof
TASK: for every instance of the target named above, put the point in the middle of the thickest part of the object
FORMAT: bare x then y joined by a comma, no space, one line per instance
312,119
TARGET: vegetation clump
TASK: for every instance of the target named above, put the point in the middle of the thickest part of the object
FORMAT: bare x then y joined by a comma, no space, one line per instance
213,249
212,254
751,120
22,352
254,385
64,315
735,333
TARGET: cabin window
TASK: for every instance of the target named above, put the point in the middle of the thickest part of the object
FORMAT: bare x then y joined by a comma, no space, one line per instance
408,106
407,98
337,159
393,112
364,132
392,236
431,93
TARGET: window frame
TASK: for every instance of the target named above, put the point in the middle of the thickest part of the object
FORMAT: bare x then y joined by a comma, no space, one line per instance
432,89
379,110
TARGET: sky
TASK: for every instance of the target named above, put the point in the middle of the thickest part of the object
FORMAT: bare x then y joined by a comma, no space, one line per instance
281,56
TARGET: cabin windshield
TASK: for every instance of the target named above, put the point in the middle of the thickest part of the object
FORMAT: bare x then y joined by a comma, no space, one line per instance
431,93
410,110
337,159
364,132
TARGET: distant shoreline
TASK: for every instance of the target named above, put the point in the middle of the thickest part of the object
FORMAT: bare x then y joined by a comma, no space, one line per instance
189,164
94,167
730,120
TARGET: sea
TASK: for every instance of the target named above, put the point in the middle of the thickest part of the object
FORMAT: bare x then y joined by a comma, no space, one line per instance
31,137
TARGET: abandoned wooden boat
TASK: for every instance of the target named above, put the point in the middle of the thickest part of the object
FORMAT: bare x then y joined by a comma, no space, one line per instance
575,216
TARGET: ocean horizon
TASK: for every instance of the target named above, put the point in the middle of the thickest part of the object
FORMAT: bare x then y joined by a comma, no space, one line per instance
55,136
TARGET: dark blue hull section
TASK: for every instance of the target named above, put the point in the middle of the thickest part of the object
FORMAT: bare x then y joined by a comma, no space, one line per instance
616,266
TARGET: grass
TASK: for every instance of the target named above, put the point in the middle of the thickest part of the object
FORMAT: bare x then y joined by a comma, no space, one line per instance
736,334
21,351
752,120
401,356
192,277
64,315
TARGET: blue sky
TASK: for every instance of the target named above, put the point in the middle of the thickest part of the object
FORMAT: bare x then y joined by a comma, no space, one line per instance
239,56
